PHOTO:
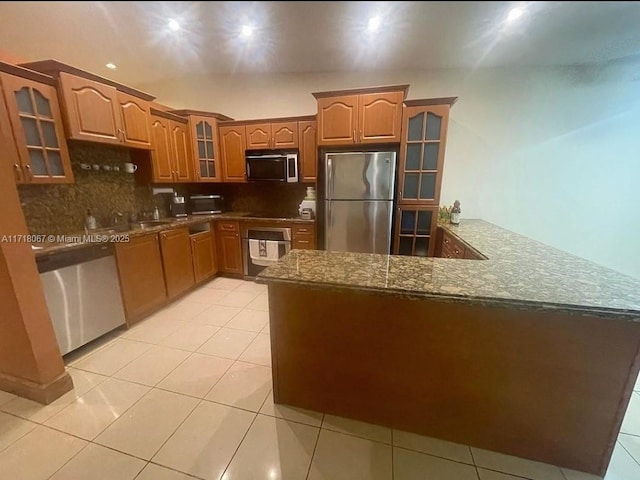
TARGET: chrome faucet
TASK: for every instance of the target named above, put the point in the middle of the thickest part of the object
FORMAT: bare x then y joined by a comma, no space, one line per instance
116,217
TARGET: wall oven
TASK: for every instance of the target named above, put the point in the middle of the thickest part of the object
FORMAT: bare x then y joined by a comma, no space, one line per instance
272,166
277,237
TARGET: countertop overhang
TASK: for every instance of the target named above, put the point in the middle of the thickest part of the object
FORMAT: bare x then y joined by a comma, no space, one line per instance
519,273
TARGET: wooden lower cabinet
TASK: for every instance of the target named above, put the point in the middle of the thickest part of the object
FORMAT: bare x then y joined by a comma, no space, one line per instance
303,237
176,258
203,251
141,278
415,230
229,247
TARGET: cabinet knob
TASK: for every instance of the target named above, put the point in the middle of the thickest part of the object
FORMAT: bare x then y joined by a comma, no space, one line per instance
29,172
18,172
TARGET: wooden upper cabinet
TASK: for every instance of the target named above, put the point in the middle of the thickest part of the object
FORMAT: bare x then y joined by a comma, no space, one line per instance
135,121
233,146
422,154
308,150
181,152
366,115
92,111
258,136
36,123
380,117
161,150
177,261
284,135
206,149
337,120
141,276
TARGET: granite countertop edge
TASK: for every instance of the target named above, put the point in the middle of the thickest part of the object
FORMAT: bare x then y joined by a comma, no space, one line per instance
174,223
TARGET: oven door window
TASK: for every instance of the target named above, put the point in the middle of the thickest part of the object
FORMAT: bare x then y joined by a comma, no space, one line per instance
271,169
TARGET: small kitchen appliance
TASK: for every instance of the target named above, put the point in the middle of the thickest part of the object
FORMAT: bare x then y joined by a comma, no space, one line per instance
205,204
178,207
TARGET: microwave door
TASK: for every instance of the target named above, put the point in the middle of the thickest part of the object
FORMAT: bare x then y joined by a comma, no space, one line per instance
268,169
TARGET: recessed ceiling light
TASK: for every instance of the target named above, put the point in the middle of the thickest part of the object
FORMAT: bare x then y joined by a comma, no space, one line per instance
374,23
174,25
111,66
247,30
514,14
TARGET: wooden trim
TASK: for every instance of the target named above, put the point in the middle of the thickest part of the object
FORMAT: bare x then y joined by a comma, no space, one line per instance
357,91
303,118
54,67
425,102
168,115
41,393
200,113
27,73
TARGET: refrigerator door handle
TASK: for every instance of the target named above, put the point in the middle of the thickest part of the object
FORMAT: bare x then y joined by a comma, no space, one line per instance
327,225
329,179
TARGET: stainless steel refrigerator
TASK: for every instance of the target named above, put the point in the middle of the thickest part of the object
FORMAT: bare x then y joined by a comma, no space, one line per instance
358,205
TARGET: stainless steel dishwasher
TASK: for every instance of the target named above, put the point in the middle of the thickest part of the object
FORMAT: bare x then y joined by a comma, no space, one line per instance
83,294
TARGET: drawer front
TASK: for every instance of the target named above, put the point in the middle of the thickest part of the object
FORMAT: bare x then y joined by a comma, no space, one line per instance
303,230
452,249
304,242
228,226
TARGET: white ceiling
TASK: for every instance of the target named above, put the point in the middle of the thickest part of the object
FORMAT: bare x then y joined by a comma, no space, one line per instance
314,36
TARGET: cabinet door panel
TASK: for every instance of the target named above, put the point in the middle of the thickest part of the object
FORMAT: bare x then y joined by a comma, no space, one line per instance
380,117
204,256
415,232
205,149
161,150
92,110
337,120
258,136
232,143
135,121
36,123
229,247
181,152
177,261
141,276
284,135
308,151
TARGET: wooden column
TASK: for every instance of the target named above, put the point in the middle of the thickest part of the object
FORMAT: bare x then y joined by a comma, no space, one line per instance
30,362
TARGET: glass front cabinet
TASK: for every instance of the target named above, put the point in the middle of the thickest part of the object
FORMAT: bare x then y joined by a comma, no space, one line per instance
36,123
424,133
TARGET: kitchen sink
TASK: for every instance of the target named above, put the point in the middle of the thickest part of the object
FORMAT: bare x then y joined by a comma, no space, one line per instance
149,224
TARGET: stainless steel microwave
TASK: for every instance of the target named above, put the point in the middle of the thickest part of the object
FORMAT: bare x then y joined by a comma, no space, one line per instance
272,166
205,204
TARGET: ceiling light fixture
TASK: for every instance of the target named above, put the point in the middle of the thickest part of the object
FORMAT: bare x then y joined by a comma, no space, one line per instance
514,14
111,66
174,25
374,23
247,31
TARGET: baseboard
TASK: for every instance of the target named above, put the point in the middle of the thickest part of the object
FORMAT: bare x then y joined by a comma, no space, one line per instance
41,393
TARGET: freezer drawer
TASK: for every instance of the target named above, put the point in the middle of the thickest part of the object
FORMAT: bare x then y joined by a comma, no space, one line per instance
358,226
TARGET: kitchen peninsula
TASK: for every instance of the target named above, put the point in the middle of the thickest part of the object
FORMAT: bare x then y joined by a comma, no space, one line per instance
532,352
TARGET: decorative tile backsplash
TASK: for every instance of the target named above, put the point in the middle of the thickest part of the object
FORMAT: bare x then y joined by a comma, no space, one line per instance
60,209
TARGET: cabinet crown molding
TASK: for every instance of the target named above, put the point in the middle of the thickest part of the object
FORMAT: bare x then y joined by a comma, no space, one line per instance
360,91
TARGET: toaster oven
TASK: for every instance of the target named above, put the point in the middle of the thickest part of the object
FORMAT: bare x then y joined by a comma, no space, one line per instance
205,204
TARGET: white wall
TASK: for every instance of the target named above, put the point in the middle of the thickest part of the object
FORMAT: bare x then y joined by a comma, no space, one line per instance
552,153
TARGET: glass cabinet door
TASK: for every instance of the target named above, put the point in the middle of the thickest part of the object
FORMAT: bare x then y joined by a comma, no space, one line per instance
415,231
422,153
205,148
36,122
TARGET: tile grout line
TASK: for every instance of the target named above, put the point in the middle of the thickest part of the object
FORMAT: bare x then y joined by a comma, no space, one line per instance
239,444
473,459
315,446
627,450
393,466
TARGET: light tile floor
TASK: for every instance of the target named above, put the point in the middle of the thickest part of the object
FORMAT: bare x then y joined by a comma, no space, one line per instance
186,394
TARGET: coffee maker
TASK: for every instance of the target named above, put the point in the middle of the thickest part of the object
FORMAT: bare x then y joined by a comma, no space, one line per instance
178,207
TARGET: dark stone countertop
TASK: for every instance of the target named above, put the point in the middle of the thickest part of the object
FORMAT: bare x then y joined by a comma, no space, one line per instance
103,235
519,272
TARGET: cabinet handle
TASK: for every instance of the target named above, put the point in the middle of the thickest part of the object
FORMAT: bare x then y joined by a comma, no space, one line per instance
30,173
18,172
354,135
360,135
